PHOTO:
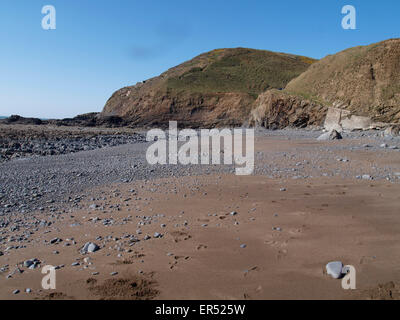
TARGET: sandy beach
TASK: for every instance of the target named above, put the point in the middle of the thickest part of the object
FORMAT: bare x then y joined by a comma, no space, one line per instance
222,236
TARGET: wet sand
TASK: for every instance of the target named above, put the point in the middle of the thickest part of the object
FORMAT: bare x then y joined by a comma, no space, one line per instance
276,246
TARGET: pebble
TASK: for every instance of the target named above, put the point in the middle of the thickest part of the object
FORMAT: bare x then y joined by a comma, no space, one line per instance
334,269
55,240
90,247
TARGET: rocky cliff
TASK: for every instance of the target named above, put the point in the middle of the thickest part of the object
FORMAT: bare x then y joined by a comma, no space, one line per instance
217,88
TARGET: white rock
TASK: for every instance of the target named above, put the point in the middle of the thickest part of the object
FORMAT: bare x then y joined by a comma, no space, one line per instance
334,269
332,135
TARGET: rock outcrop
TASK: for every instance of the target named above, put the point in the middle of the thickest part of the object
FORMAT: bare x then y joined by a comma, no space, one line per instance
276,109
356,89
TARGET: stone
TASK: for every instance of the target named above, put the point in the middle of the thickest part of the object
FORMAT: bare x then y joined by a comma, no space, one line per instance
31,262
90,247
55,241
331,135
334,269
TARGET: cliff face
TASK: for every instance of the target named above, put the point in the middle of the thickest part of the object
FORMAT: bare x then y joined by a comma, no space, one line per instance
217,88
276,109
364,80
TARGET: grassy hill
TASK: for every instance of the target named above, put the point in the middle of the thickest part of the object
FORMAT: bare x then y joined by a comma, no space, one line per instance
214,88
364,80
237,70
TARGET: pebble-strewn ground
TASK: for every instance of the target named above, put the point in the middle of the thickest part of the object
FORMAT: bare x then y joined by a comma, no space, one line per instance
50,206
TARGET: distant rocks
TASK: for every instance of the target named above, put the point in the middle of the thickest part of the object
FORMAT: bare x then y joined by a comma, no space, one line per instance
16,119
15,143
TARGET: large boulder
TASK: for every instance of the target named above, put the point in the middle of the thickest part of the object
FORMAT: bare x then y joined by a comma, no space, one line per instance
342,120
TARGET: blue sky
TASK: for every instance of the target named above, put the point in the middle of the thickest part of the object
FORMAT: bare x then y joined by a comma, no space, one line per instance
100,46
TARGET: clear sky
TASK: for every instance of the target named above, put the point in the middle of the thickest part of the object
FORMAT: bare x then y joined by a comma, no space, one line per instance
100,46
